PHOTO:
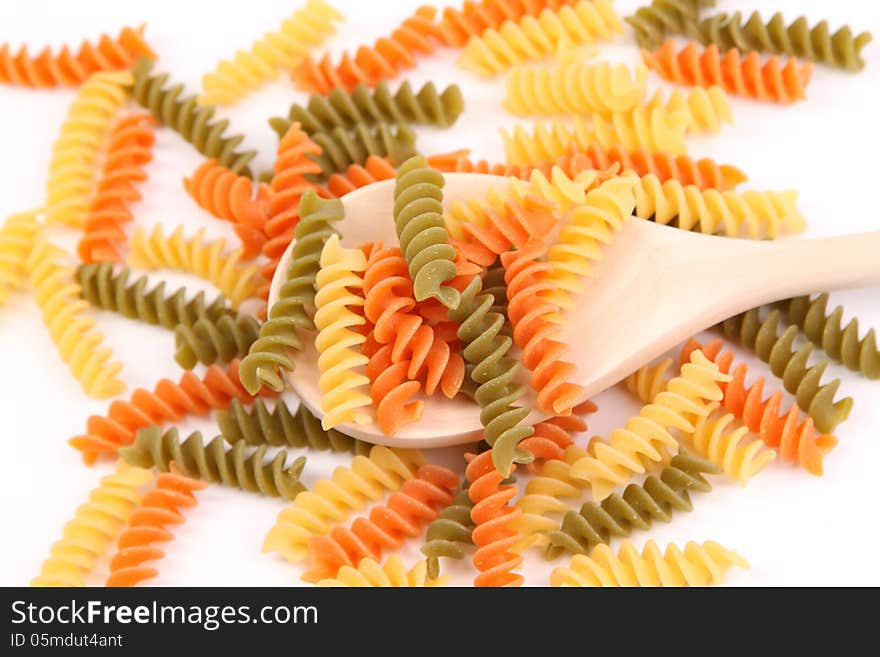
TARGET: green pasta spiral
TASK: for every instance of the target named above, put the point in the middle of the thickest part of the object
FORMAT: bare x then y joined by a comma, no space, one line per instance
342,147
215,463
103,288
485,348
817,43
195,123
653,22
260,426
208,341
343,109
421,230
617,515
827,332
449,531
280,333
801,380
494,284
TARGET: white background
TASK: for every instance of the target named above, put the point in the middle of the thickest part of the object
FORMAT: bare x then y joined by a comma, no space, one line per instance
795,529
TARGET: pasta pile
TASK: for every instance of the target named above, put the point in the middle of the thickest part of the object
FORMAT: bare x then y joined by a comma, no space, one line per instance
464,306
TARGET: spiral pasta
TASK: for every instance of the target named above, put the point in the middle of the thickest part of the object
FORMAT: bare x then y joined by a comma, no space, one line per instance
538,337
292,165
698,565
392,391
403,515
654,21
103,288
129,149
215,463
794,436
195,255
753,214
195,123
206,341
93,528
17,235
493,516
68,68
374,169
418,218
338,291
485,348
645,439
826,331
75,152
706,108
705,173
233,198
640,505
344,109
798,377
280,333
772,80
80,346
535,37
458,25
574,86
448,532
280,427
392,573
282,49
386,58
590,225
161,506
816,43
169,401
331,500
340,147
652,128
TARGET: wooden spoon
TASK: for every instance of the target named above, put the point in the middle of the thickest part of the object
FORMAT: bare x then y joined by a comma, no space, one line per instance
654,287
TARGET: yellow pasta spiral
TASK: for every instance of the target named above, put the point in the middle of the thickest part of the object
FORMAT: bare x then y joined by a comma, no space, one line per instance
559,188
591,225
17,236
73,167
652,128
753,214
93,528
392,573
58,296
207,260
738,457
698,565
646,439
330,501
649,381
338,289
282,49
535,37
707,109
575,86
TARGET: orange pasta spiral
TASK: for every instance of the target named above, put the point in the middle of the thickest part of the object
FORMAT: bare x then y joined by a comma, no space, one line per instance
458,25
794,436
705,173
160,507
553,436
234,198
167,402
130,148
356,176
535,334
404,515
385,59
493,516
292,165
66,68
391,390
773,80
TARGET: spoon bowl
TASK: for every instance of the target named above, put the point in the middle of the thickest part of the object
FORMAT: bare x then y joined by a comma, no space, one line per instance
654,287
